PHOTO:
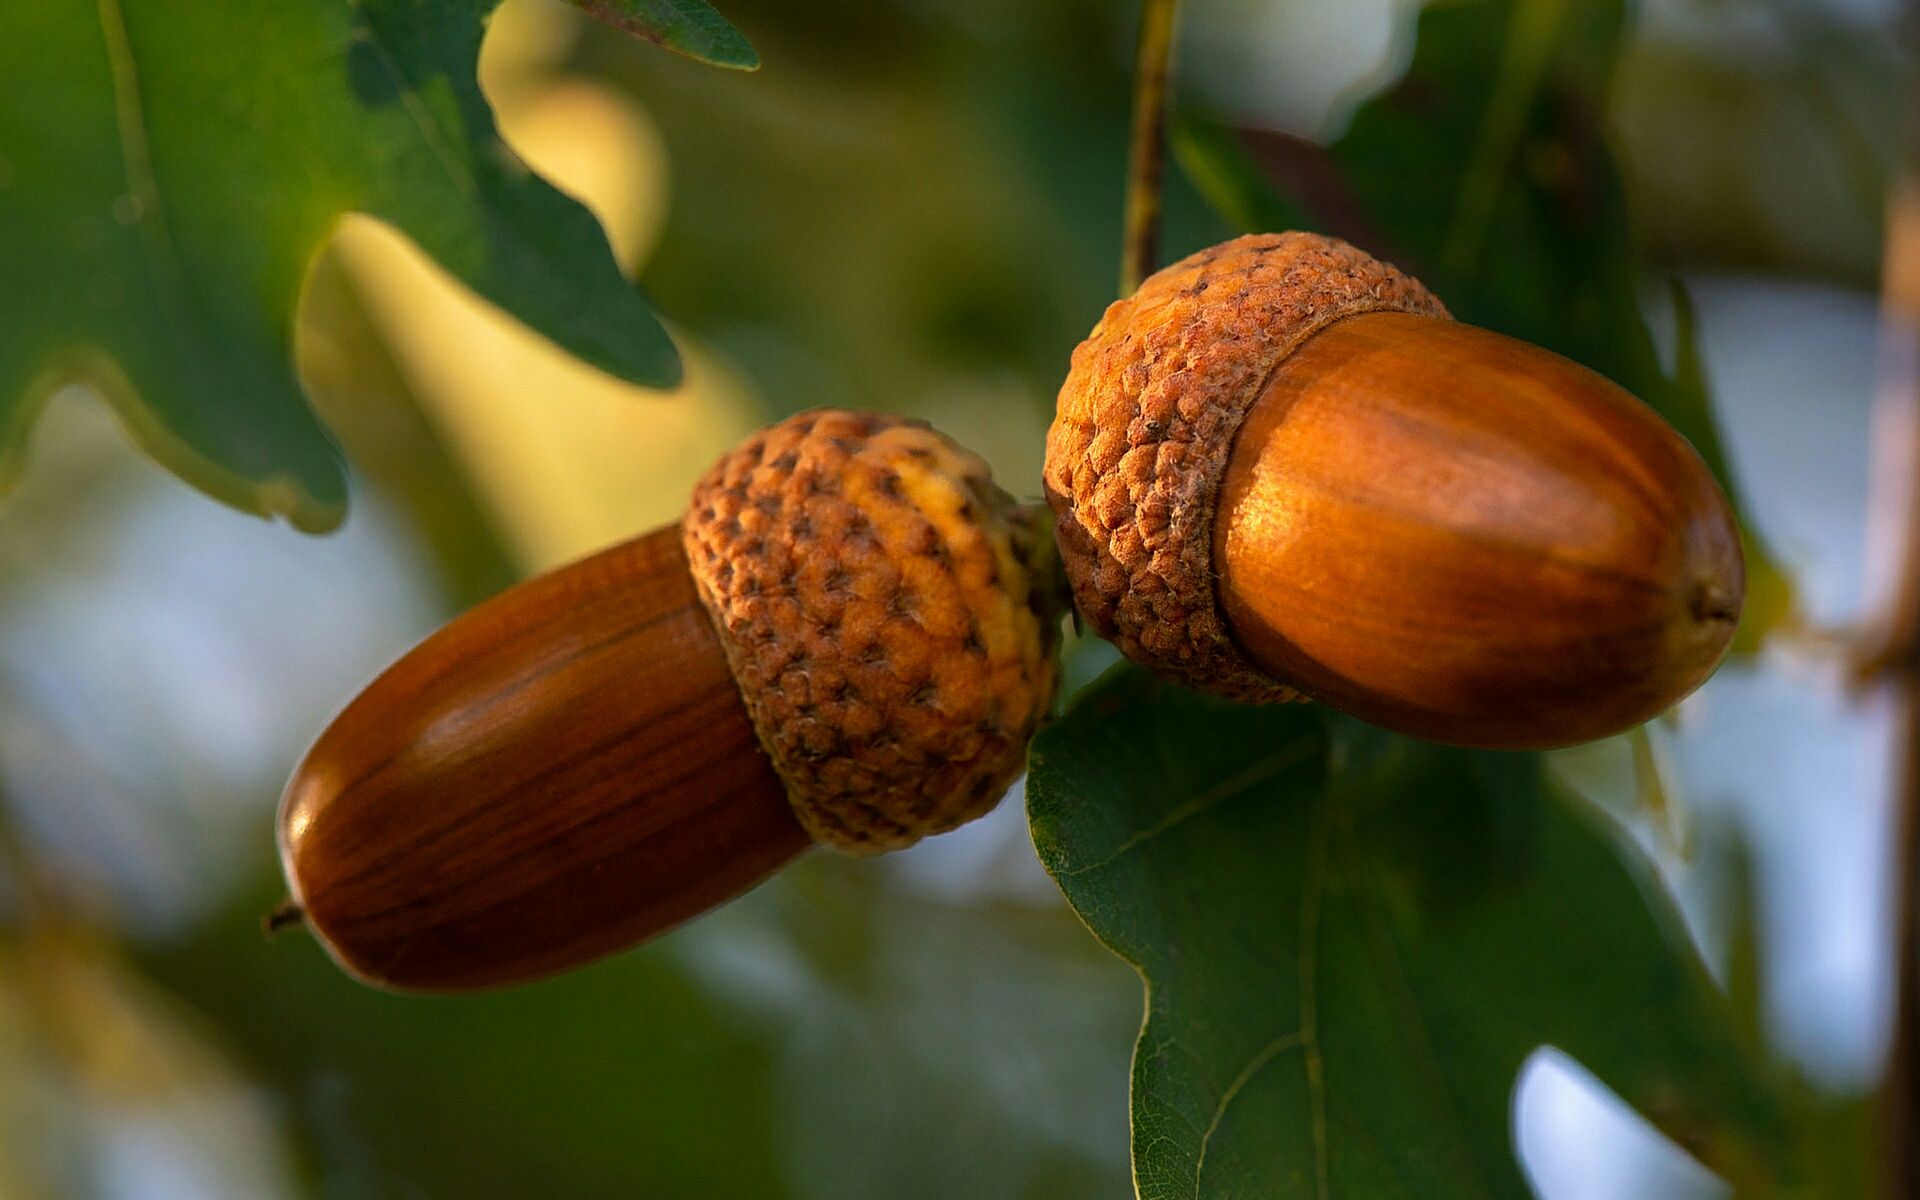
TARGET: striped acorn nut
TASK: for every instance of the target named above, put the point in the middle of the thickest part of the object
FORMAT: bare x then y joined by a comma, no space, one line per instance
849,640
1280,470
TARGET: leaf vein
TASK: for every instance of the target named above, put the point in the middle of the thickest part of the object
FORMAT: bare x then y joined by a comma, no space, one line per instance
1291,754
1267,1053
136,158
423,119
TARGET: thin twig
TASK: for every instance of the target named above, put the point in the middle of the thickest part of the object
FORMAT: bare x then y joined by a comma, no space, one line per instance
1146,163
1887,661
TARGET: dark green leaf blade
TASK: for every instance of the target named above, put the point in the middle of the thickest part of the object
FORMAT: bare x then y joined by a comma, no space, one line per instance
690,27
1352,942
157,220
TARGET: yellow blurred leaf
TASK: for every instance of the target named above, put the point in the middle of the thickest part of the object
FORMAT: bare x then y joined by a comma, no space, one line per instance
525,38
566,457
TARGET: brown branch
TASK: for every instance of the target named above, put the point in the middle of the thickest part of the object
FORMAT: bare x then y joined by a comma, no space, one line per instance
1887,661
1146,163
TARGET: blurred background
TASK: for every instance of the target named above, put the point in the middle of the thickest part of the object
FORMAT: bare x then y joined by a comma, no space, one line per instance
913,206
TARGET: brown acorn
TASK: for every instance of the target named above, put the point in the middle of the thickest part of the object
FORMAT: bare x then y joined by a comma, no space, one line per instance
848,641
1280,470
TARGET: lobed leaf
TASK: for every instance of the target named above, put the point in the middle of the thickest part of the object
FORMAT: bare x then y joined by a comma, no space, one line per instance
168,171
1352,942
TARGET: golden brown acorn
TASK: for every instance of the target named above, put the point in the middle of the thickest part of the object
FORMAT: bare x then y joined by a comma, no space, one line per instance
848,641
1279,470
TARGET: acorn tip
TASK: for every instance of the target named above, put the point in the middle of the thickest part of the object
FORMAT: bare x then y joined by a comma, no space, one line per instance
286,916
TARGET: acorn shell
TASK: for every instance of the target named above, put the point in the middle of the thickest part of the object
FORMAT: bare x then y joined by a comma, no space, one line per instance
562,772
1457,535
1146,419
1279,470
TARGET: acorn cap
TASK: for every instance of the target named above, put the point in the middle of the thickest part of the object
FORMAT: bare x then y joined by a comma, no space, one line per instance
886,615
1145,425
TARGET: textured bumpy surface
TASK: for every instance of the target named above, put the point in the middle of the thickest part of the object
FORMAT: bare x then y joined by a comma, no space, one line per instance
1145,424
887,615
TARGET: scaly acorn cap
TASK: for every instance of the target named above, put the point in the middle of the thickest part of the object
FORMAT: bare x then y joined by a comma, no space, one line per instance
1145,425
888,616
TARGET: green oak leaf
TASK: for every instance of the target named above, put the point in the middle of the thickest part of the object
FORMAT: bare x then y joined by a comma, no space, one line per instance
167,172
1352,942
689,27
1486,173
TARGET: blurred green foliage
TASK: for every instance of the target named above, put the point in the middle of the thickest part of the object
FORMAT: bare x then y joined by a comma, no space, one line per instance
948,219
609,1082
818,1039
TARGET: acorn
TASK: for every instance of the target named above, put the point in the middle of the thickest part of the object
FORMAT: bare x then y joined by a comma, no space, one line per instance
847,642
1280,470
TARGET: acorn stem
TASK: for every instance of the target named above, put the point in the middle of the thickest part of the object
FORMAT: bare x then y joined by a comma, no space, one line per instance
1146,161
